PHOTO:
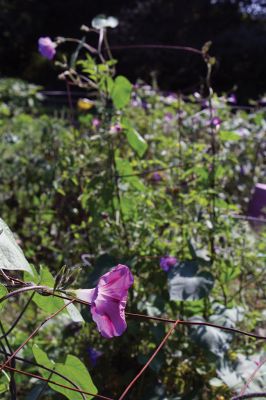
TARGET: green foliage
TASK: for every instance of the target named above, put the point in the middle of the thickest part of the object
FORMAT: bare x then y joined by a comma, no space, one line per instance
121,92
187,283
11,255
73,369
165,182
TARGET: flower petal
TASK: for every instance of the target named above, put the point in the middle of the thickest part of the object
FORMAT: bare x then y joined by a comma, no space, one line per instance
109,317
115,283
85,294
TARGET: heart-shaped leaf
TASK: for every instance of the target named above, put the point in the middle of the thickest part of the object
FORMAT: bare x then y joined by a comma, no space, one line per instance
186,283
11,255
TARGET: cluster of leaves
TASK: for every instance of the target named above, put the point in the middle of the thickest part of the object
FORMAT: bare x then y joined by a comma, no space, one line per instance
168,181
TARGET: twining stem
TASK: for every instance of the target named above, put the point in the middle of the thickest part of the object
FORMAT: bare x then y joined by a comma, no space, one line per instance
250,396
43,367
251,378
12,383
149,361
18,317
157,46
55,383
199,323
44,386
36,330
133,315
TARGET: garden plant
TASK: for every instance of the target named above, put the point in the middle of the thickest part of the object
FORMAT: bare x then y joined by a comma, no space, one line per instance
142,274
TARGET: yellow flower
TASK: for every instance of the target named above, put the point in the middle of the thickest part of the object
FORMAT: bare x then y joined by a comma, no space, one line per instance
85,104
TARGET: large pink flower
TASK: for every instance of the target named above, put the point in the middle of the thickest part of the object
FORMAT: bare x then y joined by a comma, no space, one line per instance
108,300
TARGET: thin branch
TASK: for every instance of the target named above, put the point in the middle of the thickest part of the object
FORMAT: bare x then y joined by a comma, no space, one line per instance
55,383
19,317
36,330
35,364
199,323
249,396
134,315
149,361
252,376
157,46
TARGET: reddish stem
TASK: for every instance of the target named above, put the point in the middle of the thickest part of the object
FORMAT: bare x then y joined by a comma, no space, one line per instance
149,361
36,330
55,383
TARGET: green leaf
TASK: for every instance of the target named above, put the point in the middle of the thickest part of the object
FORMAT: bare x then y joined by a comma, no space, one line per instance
124,168
121,92
228,135
72,369
49,304
214,340
135,140
11,255
185,283
3,292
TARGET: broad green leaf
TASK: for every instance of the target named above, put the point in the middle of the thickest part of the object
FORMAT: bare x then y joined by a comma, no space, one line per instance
74,312
3,292
121,92
228,135
11,255
235,374
186,283
124,169
213,339
135,140
73,369
49,304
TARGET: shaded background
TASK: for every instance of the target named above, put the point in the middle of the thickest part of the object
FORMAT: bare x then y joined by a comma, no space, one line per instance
236,28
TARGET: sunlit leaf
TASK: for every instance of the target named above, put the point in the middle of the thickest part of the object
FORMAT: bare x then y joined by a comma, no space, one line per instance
11,255
121,92
186,283
73,369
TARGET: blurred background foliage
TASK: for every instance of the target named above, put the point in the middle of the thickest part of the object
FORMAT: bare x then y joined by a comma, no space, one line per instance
236,28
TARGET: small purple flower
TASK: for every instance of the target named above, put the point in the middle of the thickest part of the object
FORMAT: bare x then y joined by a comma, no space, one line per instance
116,128
216,122
231,99
94,355
108,300
96,123
168,117
257,202
167,263
156,177
47,47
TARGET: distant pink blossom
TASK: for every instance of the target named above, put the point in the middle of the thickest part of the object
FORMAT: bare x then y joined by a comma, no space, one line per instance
108,300
47,47
216,122
96,123
116,128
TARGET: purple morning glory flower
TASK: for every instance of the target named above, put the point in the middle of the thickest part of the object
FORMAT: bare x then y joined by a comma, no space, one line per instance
232,99
108,300
96,123
168,117
116,128
258,201
94,355
216,122
47,47
156,177
167,263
